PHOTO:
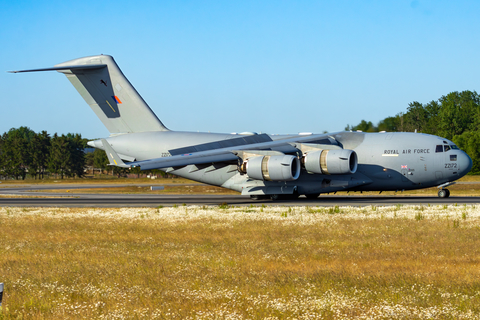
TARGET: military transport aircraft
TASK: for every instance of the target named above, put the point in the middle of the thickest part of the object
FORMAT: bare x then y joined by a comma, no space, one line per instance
259,165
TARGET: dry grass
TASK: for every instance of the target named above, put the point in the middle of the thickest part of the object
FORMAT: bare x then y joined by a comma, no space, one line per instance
456,190
470,178
178,189
464,190
112,180
28,196
471,189
184,186
241,263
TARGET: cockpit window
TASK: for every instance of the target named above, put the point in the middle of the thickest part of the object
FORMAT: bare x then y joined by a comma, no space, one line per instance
453,157
447,148
439,148
454,147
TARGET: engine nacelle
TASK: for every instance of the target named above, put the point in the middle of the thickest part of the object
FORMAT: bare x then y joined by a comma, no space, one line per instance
273,168
339,161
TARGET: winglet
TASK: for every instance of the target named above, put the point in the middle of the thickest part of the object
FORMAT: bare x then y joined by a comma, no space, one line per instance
112,156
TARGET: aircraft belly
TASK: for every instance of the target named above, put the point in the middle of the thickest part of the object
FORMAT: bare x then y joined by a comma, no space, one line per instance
306,184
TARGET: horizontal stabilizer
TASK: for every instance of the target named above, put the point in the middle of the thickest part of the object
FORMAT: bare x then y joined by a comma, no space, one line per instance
84,67
112,156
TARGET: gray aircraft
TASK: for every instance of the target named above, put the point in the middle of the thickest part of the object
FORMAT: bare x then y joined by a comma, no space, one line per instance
259,165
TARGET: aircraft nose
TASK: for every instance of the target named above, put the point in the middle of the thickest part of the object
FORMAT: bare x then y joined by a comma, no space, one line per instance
465,163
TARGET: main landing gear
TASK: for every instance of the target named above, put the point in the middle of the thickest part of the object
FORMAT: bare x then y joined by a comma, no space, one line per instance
276,197
259,197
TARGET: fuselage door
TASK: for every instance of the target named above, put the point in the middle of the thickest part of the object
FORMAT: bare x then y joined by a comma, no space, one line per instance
439,161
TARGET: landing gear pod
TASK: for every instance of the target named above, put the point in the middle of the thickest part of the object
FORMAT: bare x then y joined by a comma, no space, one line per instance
273,168
340,161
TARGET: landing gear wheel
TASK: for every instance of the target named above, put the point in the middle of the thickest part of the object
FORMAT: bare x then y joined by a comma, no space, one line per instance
258,197
293,196
312,196
275,197
443,193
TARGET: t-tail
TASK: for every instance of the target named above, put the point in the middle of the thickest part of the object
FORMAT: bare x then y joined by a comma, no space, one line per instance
107,91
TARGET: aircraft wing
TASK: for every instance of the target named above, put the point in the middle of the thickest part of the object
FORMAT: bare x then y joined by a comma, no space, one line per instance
186,159
286,145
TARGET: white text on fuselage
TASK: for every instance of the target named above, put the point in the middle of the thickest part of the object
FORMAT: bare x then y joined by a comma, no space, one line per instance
406,151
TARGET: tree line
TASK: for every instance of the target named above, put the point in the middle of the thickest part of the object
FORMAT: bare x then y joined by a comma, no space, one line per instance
24,152
455,116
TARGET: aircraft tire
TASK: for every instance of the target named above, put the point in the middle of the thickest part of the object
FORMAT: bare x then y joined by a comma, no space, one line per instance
448,193
312,195
275,197
293,196
258,197
442,193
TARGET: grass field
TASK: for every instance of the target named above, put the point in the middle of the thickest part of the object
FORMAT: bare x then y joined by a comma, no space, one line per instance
457,190
169,189
241,263
111,180
469,186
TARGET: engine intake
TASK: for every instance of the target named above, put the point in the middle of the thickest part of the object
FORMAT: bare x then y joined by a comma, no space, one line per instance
272,168
340,161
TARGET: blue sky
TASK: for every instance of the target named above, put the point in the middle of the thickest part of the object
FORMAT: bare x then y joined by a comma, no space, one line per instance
233,66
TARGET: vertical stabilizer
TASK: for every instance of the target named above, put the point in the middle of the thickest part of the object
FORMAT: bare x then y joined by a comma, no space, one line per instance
114,100
111,96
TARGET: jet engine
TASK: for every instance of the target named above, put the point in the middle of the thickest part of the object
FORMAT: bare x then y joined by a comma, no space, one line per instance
339,161
272,168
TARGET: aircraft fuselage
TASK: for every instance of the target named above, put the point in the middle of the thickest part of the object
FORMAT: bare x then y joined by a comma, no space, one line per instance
386,161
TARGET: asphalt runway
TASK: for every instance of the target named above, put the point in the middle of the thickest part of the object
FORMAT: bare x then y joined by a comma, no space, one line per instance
22,196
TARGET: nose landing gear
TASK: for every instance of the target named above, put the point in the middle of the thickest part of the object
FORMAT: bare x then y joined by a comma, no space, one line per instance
444,193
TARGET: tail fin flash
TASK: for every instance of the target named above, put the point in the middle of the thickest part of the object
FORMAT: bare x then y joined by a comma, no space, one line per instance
114,100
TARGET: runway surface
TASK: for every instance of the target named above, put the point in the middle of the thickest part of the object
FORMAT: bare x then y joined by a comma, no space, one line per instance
22,196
